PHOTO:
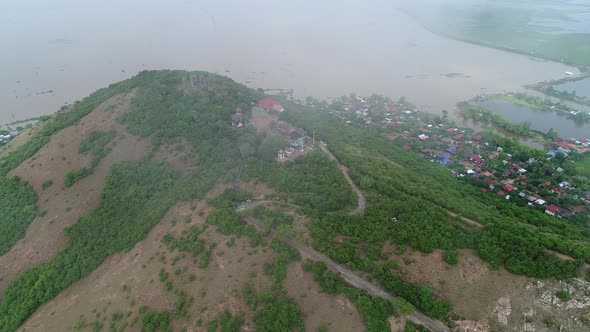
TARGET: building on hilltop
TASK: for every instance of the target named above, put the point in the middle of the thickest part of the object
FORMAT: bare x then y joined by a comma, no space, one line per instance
269,104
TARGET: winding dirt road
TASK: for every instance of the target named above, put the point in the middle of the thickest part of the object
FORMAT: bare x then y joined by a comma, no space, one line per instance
349,276
362,201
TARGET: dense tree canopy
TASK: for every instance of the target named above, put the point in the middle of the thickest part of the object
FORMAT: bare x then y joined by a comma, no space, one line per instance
17,210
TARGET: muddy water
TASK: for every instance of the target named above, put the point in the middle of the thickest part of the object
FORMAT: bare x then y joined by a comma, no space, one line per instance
581,88
539,120
319,48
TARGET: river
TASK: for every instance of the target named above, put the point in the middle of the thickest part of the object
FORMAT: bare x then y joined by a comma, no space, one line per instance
324,49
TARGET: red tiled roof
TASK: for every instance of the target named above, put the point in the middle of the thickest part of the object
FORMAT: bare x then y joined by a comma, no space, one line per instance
268,104
553,208
509,188
501,192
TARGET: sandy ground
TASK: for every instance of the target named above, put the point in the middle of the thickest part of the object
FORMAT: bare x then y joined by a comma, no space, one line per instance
336,313
495,300
44,236
471,285
261,120
215,289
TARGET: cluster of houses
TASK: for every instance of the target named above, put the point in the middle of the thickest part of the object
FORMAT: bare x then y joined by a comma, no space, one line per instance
567,146
468,155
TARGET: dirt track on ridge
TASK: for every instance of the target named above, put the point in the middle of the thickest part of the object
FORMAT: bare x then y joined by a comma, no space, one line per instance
362,201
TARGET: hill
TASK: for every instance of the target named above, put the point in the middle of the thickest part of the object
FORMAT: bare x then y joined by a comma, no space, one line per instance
156,204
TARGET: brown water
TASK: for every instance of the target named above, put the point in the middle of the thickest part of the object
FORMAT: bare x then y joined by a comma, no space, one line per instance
321,48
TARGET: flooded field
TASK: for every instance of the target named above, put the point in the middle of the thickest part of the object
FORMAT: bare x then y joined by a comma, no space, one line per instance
580,88
539,120
67,50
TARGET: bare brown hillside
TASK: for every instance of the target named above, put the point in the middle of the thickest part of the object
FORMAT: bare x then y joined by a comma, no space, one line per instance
64,206
127,281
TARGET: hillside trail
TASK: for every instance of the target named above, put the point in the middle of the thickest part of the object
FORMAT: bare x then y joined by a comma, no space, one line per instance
362,201
348,275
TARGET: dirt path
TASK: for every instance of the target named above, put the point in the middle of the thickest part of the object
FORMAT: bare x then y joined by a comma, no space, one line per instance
467,220
351,277
362,202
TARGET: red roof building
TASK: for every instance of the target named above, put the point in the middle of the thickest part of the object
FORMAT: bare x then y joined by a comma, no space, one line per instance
552,209
508,188
477,138
475,158
269,104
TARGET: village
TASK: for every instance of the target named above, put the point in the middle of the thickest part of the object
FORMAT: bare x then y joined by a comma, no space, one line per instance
10,130
549,180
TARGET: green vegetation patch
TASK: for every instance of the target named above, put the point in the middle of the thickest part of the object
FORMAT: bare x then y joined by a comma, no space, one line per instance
155,320
270,218
17,210
278,314
312,180
76,175
95,143
189,242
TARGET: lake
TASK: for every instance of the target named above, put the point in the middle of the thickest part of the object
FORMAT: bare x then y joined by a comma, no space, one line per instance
324,49
539,120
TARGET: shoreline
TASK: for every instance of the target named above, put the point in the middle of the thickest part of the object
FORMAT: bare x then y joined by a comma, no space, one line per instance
582,68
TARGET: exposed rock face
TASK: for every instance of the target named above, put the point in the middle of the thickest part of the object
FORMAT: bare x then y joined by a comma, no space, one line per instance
473,326
503,309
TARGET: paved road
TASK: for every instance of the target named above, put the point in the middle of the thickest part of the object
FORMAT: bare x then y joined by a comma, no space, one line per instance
348,275
362,201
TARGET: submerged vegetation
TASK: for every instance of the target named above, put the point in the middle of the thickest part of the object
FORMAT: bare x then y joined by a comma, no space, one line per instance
481,114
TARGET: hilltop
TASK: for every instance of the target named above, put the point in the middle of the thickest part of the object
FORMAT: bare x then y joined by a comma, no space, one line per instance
185,201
